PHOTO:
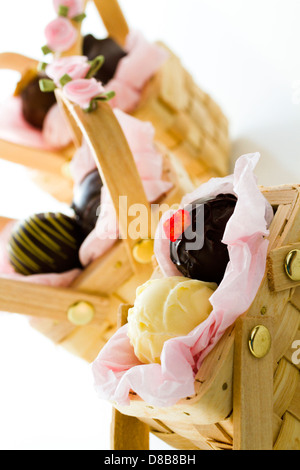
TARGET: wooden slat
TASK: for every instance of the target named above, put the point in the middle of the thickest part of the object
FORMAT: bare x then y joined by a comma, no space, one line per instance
179,442
128,433
285,384
277,195
291,232
113,19
295,300
100,129
87,341
294,406
214,432
277,225
107,273
214,157
288,438
268,302
253,391
61,187
53,330
36,159
17,62
47,302
173,85
293,353
278,278
277,423
285,330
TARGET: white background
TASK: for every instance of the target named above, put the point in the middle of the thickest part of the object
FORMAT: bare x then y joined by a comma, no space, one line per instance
246,55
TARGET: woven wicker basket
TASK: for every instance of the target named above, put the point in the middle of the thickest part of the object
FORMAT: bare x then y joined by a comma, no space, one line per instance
113,278
241,402
193,128
187,121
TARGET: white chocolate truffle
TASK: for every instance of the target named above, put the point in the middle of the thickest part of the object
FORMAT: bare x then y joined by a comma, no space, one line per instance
166,308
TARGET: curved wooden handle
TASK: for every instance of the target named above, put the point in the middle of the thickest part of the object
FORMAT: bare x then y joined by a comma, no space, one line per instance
18,62
115,163
48,302
113,19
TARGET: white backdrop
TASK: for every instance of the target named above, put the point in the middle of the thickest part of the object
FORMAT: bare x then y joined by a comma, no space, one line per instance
246,55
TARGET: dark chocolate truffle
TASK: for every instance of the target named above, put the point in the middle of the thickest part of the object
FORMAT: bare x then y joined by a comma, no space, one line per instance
36,103
112,52
209,263
86,201
45,243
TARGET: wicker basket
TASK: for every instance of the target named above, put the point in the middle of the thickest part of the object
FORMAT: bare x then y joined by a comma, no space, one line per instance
113,278
241,401
187,121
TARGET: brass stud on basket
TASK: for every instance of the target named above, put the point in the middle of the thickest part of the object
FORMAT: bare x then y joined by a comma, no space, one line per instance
260,341
292,265
143,251
81,313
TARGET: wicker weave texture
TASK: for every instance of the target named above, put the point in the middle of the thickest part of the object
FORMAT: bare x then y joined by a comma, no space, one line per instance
187,121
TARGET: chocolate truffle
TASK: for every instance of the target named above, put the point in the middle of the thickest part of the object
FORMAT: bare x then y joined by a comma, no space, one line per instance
209,262
35,103
45,243
112,52
86,201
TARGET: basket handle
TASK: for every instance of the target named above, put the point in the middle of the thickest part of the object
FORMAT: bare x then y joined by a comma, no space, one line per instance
115,163
18,62
49,302
113,19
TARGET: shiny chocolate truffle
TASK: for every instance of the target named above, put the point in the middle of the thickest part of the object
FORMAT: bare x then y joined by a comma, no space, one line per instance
35,103
86,201
45,243
209,262
112,52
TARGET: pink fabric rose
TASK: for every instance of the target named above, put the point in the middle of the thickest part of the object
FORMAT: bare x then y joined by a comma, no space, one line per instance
82,91
75,6
60,34
74,66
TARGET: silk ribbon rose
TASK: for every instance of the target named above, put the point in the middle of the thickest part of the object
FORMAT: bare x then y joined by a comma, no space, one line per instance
75,66
75,7
82,91
60,34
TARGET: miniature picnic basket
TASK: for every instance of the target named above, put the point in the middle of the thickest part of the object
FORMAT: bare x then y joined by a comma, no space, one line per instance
83,316
187,121
247,391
